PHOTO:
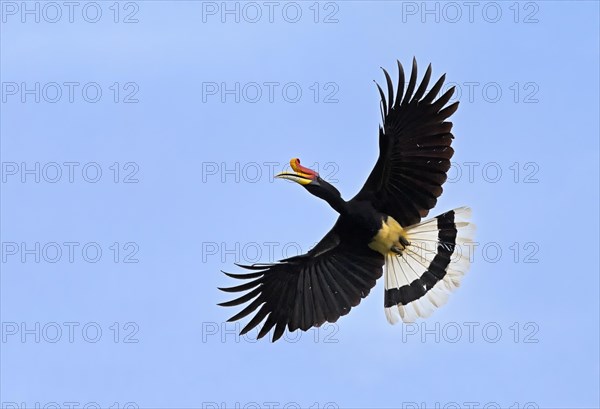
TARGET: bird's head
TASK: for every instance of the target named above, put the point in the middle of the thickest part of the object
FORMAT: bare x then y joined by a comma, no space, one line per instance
314,184
300,174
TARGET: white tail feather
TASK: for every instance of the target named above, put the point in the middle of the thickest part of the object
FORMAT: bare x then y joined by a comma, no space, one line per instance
431,238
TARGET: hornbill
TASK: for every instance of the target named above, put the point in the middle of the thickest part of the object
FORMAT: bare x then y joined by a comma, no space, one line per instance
378,230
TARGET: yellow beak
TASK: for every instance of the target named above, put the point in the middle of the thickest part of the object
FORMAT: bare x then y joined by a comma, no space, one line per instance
299,173
295,177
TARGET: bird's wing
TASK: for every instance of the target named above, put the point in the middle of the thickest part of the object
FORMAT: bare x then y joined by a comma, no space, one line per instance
309,289
414,148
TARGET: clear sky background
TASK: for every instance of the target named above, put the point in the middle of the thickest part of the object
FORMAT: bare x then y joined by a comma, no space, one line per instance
185,190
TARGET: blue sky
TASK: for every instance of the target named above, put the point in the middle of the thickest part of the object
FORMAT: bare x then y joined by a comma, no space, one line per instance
144,170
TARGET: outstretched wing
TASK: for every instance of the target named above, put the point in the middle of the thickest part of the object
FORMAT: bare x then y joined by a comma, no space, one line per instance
414,148
307,290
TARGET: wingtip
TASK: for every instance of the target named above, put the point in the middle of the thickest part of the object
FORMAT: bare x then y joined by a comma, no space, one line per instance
246,266
254,266
234,289
451,90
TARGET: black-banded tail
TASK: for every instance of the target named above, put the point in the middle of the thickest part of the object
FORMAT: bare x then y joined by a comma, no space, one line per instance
420,279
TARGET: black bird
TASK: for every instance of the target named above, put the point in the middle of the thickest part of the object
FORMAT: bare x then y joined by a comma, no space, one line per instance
380,226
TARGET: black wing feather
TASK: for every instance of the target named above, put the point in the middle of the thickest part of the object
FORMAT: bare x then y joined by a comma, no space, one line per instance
412,82
390,87
400,85
414,149
308,290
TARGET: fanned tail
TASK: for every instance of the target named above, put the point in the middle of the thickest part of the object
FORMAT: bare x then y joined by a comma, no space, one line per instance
420,279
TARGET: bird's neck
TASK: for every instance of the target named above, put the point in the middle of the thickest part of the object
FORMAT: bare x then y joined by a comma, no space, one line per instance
337,203
334,198
330,194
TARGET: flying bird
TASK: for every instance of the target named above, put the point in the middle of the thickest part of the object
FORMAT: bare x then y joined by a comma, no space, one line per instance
379,230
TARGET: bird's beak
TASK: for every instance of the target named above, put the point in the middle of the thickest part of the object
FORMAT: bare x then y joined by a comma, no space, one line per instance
300,174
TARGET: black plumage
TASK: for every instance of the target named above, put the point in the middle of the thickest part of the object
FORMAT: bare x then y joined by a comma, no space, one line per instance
325,283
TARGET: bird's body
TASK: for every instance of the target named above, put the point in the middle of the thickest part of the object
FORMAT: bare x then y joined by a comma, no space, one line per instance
390,237
380,227
361,220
